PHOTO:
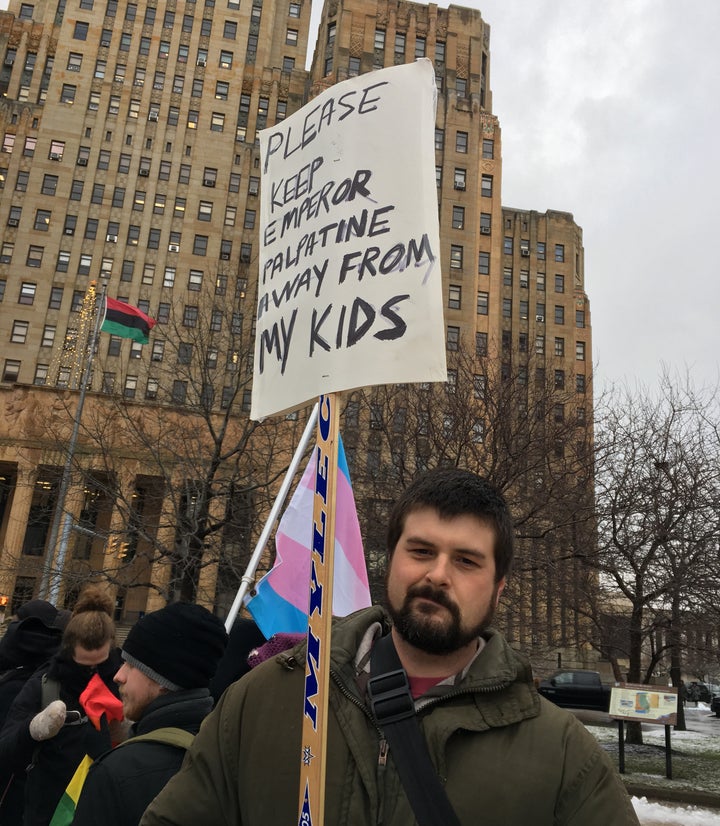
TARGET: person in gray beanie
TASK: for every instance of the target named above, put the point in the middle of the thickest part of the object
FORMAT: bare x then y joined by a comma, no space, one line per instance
169,656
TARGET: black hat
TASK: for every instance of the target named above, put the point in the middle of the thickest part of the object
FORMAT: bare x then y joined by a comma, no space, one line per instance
48,614
178,646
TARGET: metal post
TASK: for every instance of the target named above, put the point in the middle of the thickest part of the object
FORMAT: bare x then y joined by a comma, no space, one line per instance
668,754
248,577
621,746
47,590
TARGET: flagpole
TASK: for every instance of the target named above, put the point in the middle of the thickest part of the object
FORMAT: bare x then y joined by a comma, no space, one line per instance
248,577
50,588
313,756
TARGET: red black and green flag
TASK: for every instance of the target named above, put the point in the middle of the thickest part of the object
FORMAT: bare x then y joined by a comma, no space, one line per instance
126,321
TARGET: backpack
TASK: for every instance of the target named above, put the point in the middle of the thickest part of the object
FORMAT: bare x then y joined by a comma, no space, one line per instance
65,811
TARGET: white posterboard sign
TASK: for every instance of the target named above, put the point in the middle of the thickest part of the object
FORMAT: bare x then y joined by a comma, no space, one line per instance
647,703
349,281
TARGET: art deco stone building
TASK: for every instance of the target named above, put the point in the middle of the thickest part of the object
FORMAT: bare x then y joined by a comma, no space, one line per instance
129,161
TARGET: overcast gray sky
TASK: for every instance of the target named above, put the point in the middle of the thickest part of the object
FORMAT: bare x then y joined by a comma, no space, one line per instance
610,111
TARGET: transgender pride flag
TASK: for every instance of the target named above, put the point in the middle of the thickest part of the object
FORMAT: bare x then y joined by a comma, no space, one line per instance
282,595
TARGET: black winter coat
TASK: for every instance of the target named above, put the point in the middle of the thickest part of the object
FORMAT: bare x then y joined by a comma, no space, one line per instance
26,645
56,759
121,784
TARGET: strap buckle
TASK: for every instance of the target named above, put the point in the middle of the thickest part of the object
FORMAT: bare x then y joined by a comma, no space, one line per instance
390,697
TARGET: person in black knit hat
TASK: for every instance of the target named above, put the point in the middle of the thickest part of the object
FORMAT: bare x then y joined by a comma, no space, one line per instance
169,656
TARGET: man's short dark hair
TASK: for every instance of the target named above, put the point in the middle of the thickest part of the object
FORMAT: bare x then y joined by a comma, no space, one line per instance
456,492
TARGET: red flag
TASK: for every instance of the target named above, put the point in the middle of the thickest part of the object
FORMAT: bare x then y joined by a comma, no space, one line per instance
97,699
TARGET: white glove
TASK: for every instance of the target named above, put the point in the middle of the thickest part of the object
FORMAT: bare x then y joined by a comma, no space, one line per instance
48,722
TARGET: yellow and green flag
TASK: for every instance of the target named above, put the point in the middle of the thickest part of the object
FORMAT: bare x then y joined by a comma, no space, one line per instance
65,811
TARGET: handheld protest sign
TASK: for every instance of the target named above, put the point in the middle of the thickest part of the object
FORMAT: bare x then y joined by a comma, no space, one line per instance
349,282
349,295
317,664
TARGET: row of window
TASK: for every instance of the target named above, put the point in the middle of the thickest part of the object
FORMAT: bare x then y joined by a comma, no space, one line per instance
559,255
21,328
43,218
452,342
111,10
178,394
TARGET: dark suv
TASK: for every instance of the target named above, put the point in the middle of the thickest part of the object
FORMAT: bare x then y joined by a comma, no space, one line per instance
715,705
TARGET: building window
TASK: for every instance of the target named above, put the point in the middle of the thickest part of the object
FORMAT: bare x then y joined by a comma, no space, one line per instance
67,93
226,60
559,283
48,336
483,302
456,256
486,186
461,142
488,148
42,220
507,276
81,30
484,263
559,252
540,282
453,338
559,314
217,122
200,243
195,280
439,139
458,217
190,316
580,318
559,346
19,332
580,351
11,370
455,297
507,307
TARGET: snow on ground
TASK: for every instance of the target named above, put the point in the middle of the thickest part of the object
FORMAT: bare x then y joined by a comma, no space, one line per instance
702,735
666,814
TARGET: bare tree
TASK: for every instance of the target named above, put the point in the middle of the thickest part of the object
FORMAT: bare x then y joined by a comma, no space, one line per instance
182,479
657,477
526,434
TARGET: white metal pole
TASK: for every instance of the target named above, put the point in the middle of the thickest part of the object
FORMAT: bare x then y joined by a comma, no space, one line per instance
248,577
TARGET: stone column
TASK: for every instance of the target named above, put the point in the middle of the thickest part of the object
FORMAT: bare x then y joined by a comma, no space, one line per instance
16,525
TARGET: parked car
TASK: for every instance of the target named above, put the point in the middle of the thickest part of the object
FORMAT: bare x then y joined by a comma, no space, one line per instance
576,688
715,705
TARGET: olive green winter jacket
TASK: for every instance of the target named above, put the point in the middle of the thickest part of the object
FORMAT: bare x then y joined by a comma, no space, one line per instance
506,756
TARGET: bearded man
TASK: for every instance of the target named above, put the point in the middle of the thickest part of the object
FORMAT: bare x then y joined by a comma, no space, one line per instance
502,754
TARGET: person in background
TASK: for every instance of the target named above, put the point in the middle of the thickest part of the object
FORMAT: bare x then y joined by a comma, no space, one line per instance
244,638
504,756
30,640
169,658
48,730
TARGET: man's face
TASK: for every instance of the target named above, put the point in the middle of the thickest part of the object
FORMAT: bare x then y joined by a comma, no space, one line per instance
441,588
137,691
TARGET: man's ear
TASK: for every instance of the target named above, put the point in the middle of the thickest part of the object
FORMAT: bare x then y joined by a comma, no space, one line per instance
500,587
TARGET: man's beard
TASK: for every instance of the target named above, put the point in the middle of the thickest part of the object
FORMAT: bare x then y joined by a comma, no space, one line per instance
430,633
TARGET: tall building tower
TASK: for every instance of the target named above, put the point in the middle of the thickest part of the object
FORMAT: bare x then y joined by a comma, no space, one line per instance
129,159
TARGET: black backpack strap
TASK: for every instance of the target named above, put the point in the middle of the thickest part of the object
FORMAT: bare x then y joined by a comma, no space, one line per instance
394,710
